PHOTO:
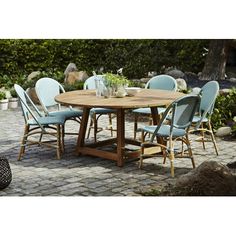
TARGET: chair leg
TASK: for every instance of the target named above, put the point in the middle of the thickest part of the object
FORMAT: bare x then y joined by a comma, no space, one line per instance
142,151
63,138
135,125
213,138
203,136
23,143
90,127
171,156
162,142
40,138
95,127
190,151
58,142
150,122
110,124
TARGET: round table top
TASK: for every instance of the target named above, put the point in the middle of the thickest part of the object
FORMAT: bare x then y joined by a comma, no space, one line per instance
145,98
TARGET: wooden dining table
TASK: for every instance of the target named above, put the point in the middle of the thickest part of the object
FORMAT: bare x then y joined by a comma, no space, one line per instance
87,99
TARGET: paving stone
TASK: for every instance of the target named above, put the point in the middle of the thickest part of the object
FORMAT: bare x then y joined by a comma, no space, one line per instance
39,173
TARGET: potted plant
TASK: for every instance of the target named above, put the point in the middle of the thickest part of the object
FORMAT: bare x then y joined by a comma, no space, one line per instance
3,100
13,101
115,84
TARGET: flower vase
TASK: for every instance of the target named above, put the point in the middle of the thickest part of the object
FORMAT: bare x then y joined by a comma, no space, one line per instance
4,104
13,103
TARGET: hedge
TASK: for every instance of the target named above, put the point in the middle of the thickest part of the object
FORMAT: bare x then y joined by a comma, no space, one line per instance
137,57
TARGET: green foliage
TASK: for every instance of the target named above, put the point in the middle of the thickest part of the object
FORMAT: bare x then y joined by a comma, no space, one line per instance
112,80
78,85
225,110
136,83
57,75
13,92
137,57
2,95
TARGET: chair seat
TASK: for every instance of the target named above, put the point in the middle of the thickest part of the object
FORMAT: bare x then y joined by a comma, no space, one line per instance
101,110
164,131
147,110
66,113
47,120
198,118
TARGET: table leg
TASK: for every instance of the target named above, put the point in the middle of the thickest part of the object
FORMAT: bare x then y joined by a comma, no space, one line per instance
83,128
156,119
120,136
155,115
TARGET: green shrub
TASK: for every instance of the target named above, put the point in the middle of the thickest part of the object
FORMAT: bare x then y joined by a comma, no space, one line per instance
137,57
115,80
2,95
78,85
57,75
225,110
13,92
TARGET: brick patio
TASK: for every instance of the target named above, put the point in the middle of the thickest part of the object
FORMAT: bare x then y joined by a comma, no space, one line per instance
39,173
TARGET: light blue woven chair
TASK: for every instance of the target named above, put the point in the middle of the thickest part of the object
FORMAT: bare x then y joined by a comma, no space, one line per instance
182,111
202,120
163,82
36,124
46,90
96,113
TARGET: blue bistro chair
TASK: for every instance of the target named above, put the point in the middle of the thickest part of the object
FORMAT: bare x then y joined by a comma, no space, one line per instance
164,82
202,120
36,124
46,90
182,111
96,113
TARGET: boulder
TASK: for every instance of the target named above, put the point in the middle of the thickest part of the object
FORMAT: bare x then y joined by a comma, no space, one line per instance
33,75
175,73
76,76
208,179
32,94
70,68
182,85
144,80
224,91
190,75
152,74
223,131
232,80
196,90
231,165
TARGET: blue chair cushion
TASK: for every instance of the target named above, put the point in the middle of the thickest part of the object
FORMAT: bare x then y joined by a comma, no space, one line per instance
66,113
99,110
47,120
147,110
197,118
164,131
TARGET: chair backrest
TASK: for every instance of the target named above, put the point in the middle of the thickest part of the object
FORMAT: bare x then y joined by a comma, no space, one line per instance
209,94
47,89
90,83
182,111
24,101
164,82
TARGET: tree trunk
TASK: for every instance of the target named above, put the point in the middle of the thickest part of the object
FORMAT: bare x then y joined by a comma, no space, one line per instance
214,68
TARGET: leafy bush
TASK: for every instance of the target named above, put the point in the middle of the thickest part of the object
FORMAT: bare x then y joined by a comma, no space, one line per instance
137,57
57,75
225,110
2,95
78,85
111,80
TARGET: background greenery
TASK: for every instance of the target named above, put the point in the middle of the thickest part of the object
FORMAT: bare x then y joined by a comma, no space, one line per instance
137,57
20,57
225,111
